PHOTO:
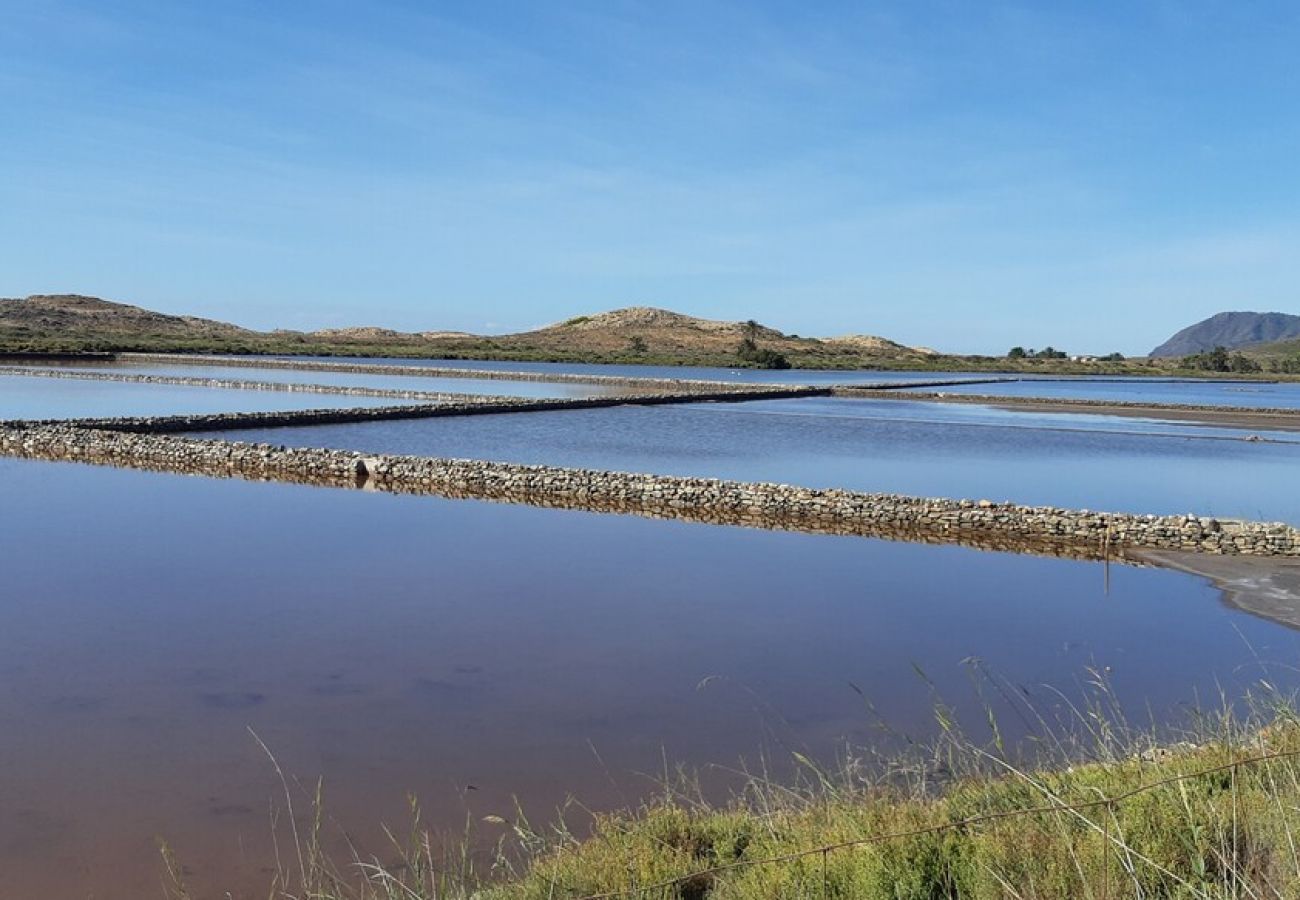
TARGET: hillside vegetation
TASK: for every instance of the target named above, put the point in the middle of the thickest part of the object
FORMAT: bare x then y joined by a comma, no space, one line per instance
636,335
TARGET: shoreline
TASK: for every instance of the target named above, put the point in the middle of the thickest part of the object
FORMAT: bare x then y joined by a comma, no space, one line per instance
1200,416
1268,587
1140,370
1206,415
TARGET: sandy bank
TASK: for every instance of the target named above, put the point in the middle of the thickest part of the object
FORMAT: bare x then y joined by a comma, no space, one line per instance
1243,417
1230,418
1267,587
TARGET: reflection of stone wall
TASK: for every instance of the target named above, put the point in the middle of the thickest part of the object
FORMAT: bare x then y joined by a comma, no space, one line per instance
977,523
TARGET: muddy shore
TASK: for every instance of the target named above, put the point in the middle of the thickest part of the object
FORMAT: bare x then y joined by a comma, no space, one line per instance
1246,418
1261,421
1269,588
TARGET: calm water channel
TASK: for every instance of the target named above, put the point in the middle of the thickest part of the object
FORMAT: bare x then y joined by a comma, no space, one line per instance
1222,392
1215,393
27,397
932,450
395,382
471,652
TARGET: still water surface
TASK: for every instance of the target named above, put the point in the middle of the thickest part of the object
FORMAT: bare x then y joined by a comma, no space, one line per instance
1152,390
25,397
471,652
1253,394
932,450
495,387
1222,392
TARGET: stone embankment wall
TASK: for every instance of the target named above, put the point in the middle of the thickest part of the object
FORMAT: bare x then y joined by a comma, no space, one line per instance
893,387
977,523
460,405
55,357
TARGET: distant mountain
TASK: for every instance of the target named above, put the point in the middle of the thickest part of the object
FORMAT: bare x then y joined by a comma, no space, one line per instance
1232,330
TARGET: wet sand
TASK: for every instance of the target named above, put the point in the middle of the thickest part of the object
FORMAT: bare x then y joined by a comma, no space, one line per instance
1263,421
1269,588
1243,417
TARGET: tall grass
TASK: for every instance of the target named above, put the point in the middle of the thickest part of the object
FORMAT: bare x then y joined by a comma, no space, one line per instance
1092,808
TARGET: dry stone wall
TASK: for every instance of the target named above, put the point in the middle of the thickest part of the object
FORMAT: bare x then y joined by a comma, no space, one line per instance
151,443
982,523
459,405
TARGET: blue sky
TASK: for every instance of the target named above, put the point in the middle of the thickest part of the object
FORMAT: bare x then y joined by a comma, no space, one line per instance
963,175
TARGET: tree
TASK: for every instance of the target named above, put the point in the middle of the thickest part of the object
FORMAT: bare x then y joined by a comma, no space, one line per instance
1240,362
1017,353
751,353
637,345
1216,360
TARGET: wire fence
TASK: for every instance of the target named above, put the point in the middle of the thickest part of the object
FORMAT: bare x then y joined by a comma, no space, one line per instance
824,851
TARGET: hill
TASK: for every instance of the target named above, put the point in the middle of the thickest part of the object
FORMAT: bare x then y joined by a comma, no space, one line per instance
75,314
1232,331
73,323
661,331
70,322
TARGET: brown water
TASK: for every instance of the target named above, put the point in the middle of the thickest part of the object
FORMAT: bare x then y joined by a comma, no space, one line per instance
472,652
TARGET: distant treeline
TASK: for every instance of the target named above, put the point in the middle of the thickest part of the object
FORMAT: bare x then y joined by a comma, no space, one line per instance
1221,360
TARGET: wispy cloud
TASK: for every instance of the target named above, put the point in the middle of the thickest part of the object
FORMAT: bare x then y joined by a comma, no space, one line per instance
947,174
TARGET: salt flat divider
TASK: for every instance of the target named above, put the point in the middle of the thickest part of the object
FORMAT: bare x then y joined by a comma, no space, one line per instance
983,524
460,406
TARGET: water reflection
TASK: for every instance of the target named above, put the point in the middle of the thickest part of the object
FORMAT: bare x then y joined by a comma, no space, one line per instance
1082,462
25,397
394,644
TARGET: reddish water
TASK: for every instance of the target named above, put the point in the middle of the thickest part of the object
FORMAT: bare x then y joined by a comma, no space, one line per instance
471,653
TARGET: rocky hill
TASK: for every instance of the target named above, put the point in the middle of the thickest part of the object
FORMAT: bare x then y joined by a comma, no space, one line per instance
1231,330
659,331
75,314
635,334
